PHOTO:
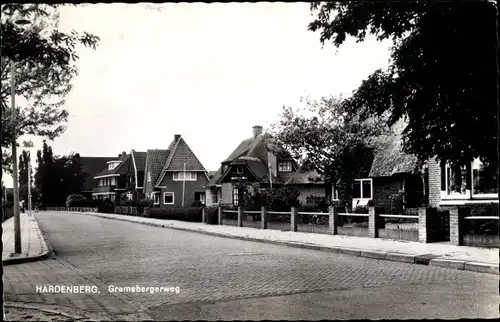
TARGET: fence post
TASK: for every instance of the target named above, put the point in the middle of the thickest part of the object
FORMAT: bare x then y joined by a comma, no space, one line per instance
203,217
457,215
293,219
263,223
240,217
373,222
219,215
332,222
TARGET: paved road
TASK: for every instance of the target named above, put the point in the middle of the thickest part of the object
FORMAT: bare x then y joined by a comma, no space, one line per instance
225,279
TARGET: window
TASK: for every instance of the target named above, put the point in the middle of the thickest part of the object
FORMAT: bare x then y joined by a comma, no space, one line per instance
129,195
113,182
455,180
199,196
362,189
156,198
113,165
239,169
484,178
215,197
285,166
185,176
168,198
235,196
112,197
149,176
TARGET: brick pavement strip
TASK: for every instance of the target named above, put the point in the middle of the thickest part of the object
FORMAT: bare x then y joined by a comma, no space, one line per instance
388,249
20,284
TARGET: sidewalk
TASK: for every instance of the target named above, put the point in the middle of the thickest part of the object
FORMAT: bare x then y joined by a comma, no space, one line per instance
33,244
436,254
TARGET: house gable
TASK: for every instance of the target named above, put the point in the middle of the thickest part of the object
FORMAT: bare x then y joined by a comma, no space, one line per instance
181,155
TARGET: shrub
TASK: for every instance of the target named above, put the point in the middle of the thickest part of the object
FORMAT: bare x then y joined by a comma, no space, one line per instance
212,215
72,198
277,199
137,203
197,203
84,203
191,214
8,210
106,207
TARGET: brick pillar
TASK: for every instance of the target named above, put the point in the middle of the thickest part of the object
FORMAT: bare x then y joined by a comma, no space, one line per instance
219,215
427,225
263,223
373,222
332,222
457,215
240,217
203,216
293,219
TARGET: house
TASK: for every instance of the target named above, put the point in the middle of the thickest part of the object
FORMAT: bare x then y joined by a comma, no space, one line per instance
392,172
115,179
473,184
91,166
174,177
257,160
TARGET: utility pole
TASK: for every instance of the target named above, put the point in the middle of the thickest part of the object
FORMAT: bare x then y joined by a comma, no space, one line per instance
15,180
183,183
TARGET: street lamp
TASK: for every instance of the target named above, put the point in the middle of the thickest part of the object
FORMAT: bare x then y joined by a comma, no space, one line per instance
28,145
15,179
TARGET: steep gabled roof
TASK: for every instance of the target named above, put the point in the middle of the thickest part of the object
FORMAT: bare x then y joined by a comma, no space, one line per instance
139,162
180,154
139,159
91,166
255,148
389,157
156,159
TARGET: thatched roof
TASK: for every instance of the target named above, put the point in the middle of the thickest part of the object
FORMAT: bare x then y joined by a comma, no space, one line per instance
389,158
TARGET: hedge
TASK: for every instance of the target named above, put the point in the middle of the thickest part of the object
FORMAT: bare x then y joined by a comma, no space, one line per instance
191,214
212,215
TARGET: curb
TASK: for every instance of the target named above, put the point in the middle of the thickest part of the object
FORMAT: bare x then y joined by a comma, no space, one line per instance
20,260
420,259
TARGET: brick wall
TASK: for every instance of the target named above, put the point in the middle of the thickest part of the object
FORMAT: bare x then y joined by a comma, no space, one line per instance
383,188
176,187
434,183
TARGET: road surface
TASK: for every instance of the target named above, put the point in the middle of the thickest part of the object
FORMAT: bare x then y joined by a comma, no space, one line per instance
225,279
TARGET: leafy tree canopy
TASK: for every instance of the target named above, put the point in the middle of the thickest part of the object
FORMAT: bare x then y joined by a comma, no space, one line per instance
442,75
45,65
323,137
58,177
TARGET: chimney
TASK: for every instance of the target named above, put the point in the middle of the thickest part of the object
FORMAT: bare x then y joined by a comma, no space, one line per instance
257,130
124,154
177,137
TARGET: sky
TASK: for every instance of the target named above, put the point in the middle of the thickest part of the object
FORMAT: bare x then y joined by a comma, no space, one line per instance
206,71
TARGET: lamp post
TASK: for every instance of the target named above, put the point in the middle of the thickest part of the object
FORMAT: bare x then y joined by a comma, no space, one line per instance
15,179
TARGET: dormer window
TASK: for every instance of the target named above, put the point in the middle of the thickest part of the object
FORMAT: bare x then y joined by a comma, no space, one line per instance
239,169
113,164
285,166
